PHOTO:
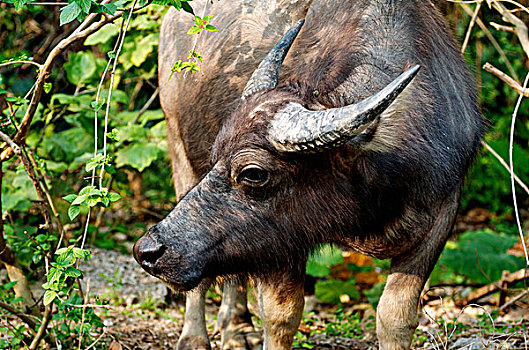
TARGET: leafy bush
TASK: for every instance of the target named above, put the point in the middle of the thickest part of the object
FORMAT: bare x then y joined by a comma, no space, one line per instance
473,250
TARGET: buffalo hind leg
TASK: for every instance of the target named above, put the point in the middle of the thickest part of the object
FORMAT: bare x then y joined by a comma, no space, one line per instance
234,320
397,316
194,334
281,300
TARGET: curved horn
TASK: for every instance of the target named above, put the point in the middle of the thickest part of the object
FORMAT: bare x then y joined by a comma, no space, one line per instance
266,76
297,129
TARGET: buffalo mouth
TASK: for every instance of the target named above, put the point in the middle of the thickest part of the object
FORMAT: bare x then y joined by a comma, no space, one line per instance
166,264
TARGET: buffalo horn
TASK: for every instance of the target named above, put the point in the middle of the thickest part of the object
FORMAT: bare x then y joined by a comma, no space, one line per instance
297,129
266,76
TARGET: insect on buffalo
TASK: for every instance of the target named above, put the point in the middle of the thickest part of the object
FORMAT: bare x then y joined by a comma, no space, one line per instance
355,129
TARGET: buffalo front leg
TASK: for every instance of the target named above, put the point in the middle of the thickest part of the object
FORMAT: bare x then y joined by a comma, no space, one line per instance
397,316
194,334
281,300
234,321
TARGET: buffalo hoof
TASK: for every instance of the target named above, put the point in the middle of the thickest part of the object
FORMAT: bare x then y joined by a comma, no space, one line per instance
193,343
241,336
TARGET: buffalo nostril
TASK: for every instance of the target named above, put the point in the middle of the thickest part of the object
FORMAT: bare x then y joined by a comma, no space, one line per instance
148,251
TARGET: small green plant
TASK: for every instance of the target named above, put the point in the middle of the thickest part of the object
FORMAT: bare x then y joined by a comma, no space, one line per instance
89,197
115,283
75,321
202,23
301,341
345,324
62,272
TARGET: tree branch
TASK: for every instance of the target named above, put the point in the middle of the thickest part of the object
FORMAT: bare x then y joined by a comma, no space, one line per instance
507,79
520,29
27,319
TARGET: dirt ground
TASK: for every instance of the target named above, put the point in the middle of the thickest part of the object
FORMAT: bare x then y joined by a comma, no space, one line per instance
139,318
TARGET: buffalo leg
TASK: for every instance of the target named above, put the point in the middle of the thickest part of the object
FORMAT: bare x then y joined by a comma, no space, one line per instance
281,303
397,310
234,320
194,334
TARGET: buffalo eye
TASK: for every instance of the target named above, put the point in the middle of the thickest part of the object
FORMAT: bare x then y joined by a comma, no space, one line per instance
253,175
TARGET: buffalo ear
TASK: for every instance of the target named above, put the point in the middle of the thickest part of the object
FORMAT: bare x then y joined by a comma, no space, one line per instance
266,76
297,129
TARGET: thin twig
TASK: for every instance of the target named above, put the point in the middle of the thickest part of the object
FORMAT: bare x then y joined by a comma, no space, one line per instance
48,3
30,320
513,300
39,66
520,28
85,302
109,98
493,41
506,79
503,28
470,26
96,341
147,105
30,170
198,36
511,163
505,165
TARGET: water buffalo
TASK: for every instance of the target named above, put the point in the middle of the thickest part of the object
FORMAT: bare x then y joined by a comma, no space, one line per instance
362,140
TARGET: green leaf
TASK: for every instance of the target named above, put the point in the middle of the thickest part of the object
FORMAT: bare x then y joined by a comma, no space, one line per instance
73,211
322,260
84,5
331,290
47,87
198,20
113,196
143,49
69,13
112,8
70,198
103,35
491,250
49,296
194,30
138,155
19,4
187,8
95,192
211,28
86,190
9,285
81,66
97,105
80,199
91,201
317,270
90,166
73,272
53,276
106,8
133,132
61,251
